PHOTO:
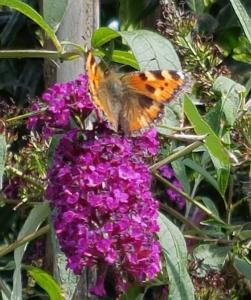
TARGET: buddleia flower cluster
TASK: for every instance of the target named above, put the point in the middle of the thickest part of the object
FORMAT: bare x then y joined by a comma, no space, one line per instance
105,211
99,188
63,101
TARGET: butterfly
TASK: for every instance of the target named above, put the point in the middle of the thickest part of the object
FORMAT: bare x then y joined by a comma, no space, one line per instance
135,101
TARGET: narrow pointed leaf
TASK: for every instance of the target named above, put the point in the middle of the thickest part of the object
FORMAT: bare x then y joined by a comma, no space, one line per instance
211,255
125,57
243,17
199,169
47,282
175,252
29,12
53,12
37,215
243,267
102,36
231,92
213,144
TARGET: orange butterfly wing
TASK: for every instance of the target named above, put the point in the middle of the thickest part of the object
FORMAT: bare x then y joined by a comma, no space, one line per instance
138,113
95,75
99,92
136,100
147,93
161,86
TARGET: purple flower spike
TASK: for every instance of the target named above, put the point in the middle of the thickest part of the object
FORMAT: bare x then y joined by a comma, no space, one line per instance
99,185
63,101
105,213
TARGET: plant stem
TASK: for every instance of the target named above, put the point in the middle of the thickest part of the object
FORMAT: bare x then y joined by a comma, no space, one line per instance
27,53
186,196
182,219
27,115
240,202
228,204
24,240
176,155
4,200
175,128
186,137
25,177
217,241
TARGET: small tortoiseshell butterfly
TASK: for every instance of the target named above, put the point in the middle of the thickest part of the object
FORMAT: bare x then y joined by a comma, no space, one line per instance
134,101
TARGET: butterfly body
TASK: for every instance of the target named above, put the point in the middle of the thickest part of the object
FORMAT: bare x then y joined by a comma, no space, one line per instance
134,101
110,91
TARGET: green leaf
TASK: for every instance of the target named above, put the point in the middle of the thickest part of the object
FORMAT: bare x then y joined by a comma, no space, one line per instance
213,144
197,6
214,116
46,282
228,39
34,16
5,290
36,217
213,256
219,224
134,292
180,172
207,23
152,51
4,297
129,13
210,205
2,158
125,57
202,171
174,247
102,36
231,92
222,178
245,234
158,51
242,51
243,17
243,267
227,20
53,12
242,56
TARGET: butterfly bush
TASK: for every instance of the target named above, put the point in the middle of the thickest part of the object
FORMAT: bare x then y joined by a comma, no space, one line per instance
99,187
